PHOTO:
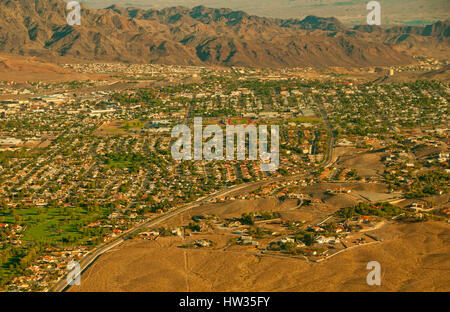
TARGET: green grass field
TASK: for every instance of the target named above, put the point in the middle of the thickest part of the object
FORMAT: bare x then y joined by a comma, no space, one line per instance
52,224
133,125
58,226
306,120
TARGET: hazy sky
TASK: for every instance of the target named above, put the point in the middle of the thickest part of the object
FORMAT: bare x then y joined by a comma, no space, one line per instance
350,11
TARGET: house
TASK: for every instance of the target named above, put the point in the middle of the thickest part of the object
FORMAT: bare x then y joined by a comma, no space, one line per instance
364,219
203,243
325,240
177,232
417,206
339,228
247,240
286,240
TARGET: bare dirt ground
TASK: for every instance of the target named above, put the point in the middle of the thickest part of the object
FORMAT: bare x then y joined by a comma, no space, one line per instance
413,257
288,209
23,69
110,129
366,164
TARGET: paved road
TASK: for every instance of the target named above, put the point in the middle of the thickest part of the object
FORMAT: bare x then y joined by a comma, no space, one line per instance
85,262
329,157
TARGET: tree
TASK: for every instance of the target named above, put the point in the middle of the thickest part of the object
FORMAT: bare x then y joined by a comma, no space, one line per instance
248,218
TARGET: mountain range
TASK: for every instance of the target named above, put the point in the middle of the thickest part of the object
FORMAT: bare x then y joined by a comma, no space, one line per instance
350,12
206,36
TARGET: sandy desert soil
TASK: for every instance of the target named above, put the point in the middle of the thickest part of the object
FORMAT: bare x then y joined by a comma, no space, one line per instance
366,164
24,68
413,257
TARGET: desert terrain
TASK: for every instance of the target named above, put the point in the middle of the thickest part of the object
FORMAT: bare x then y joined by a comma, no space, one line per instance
413,257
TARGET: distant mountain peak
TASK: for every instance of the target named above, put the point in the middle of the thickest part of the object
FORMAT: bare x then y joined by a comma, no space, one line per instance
203,36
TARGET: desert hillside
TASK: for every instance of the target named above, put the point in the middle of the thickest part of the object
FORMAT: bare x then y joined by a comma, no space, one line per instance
205,36
413,257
